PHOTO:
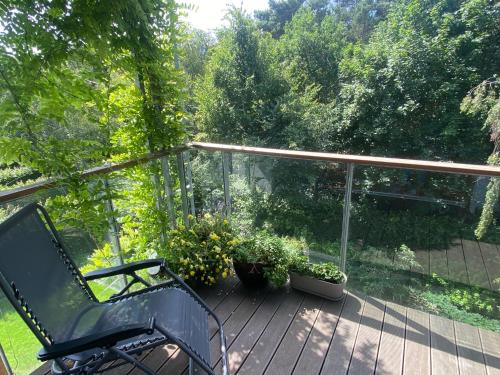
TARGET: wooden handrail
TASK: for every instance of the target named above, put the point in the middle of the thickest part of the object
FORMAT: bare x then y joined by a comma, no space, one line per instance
434,166
23,191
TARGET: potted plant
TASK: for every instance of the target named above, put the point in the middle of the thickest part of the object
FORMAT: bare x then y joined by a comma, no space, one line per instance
260,258
201,253
322,279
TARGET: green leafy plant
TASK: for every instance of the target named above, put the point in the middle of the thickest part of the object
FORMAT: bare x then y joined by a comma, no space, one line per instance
467,298
201,252
326,271
268,249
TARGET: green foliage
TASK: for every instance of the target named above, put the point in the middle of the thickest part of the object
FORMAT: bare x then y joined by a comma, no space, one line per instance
483,101
310,52
404,259
281,12
326,271
439,303
234,95
101,258
105,89
268,249
11,177
201,252
19,343
469,299
365,77
274,19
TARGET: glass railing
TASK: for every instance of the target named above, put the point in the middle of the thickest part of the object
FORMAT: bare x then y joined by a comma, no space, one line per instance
412,241
402,234
408,236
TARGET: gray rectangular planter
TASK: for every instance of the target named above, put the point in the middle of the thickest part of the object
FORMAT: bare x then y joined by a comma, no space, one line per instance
334,292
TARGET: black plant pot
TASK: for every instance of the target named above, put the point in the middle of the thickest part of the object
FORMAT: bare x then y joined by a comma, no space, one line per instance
251,274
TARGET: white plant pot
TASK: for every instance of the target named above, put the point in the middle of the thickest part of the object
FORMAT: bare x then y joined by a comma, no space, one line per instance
333,292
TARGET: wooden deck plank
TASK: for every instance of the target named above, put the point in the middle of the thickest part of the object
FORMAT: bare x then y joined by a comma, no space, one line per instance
491,260
490,343
438,262
457,269
417,343
236,322
312,356
262,352
422,258
391,350
232,327
364,356
339,354
470,354
241,346
443,347
288,352
475,265
280,331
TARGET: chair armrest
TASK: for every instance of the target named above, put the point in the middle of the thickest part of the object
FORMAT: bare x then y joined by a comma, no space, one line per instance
125,269
103,339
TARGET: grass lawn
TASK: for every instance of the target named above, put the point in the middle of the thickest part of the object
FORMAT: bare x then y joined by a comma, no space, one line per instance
19,344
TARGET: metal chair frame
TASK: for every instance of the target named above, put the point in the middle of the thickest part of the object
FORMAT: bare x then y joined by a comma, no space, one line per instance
65,352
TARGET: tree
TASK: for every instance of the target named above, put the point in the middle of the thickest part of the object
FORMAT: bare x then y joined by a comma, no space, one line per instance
280,12
360,17
310,52
401,92
82,83
483,101
237,97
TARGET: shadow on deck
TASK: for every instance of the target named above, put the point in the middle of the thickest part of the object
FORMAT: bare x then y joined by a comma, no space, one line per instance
282,331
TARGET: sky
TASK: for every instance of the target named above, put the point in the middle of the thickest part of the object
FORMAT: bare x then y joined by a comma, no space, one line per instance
208,14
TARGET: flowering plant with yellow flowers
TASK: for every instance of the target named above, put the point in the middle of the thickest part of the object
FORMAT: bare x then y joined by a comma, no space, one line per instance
202,251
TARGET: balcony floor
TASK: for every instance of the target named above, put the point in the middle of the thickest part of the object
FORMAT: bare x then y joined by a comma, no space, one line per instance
285,331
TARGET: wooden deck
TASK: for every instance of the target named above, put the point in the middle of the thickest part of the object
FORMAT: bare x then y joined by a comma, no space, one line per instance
288,332
466,261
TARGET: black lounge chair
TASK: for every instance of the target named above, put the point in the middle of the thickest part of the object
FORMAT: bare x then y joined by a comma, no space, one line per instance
81,334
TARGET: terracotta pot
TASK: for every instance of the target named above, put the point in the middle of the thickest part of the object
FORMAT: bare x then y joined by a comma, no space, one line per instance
334,292
250,274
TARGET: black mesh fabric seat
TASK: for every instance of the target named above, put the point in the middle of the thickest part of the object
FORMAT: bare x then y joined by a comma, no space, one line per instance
77,331
172,308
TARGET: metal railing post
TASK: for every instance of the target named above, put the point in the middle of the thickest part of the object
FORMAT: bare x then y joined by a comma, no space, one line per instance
346,216
155,179
169,194
225,176
113,229
182,181
189,177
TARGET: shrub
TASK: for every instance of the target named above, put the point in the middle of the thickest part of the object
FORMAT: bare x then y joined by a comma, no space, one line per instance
268,249
467,298
201,252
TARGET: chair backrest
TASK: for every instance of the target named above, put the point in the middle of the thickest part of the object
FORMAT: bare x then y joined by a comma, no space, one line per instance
38,277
